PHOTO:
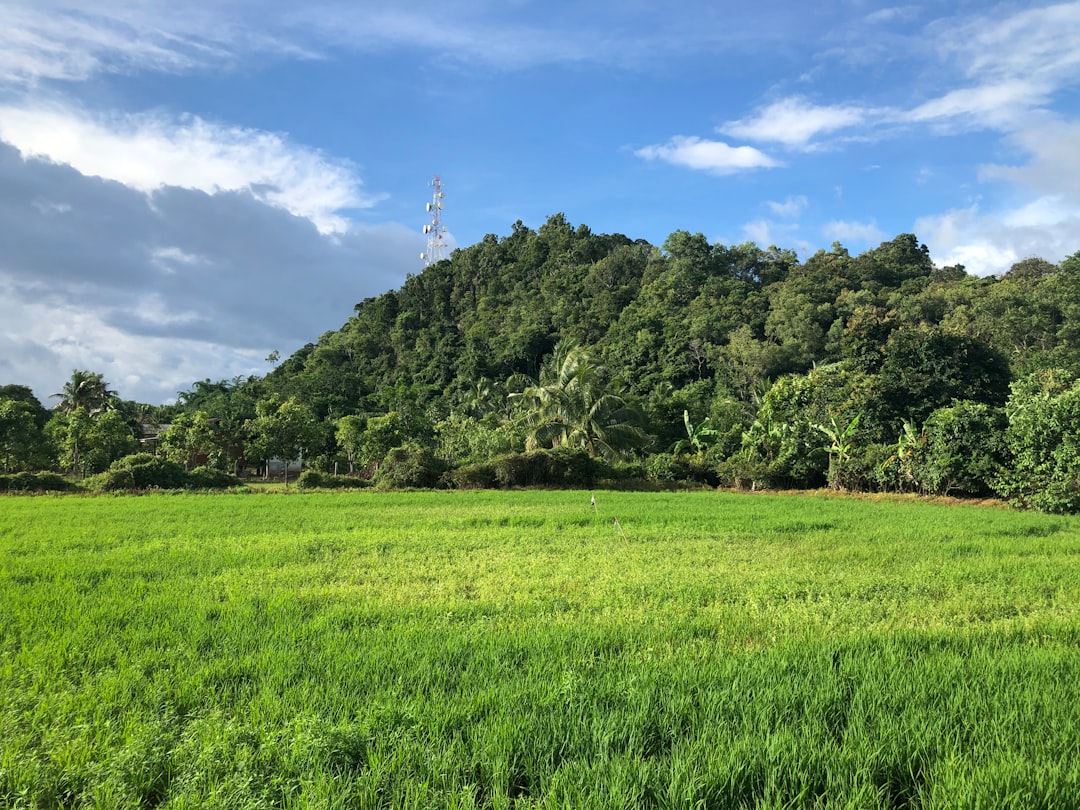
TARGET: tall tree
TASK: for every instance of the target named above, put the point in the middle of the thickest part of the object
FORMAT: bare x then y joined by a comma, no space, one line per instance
87,390
282,430
22,444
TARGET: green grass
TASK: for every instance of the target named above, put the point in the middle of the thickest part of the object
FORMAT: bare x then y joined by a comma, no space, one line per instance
519,649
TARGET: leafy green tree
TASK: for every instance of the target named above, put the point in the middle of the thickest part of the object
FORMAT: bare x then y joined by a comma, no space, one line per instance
461,439
87,445
349,435
282,430
191,436
24,394
381,435
572,406
22,443
782,439
927,368
1043,438
965,449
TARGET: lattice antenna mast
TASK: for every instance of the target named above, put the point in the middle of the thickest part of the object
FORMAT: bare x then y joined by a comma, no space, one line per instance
435,230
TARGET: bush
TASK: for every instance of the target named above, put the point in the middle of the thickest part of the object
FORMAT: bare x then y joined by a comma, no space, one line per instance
471,476
35,482
209,478
410,466
666,468
872,468
559,467
313,479
144,471
112,481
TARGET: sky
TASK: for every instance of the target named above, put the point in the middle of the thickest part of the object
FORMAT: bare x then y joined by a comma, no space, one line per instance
189,186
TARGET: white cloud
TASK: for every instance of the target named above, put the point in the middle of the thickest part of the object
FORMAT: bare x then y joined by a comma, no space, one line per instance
712,156
791,208
71,40
794,122
1036,45
997,106
841,231
1053,147
991,242
152,150
892,14
765,232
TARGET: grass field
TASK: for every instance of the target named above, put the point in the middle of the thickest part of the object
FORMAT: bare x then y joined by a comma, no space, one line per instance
523,649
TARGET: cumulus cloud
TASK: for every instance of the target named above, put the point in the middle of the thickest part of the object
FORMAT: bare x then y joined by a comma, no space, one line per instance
711,156
149,151
990,242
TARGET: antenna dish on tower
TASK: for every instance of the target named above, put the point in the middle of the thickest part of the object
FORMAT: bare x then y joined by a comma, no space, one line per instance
435,230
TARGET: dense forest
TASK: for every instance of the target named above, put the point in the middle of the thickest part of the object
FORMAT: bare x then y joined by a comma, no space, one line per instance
558,355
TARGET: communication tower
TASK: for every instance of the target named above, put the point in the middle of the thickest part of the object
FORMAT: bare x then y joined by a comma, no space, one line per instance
435,230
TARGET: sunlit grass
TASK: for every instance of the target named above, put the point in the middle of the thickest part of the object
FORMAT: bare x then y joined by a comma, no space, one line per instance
496,649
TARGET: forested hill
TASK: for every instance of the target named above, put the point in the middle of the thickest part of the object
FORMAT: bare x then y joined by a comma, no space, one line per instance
526,360
690,323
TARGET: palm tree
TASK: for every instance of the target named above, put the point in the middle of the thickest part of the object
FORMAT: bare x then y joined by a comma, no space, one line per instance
571,406
87,390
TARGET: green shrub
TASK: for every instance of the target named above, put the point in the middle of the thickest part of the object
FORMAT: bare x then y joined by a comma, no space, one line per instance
310,479
410,466
559,467
209,478
313,479
112,480
35,482
471,476
140,471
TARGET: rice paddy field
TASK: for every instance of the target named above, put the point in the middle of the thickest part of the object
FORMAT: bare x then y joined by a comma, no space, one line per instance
529,649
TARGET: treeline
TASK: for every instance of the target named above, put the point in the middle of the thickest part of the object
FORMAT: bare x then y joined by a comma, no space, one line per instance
720,365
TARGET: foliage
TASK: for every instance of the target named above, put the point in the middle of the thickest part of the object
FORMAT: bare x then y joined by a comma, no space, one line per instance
87,444
965,449
381,435
22,443
210,478
191,437
311,479
464,439
479,475
410,466
282,429
697,436
140,471
35,482
349,434
840,445
572,406
87,391
1044,439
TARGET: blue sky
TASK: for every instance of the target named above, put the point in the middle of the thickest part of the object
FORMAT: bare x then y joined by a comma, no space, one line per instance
188,186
